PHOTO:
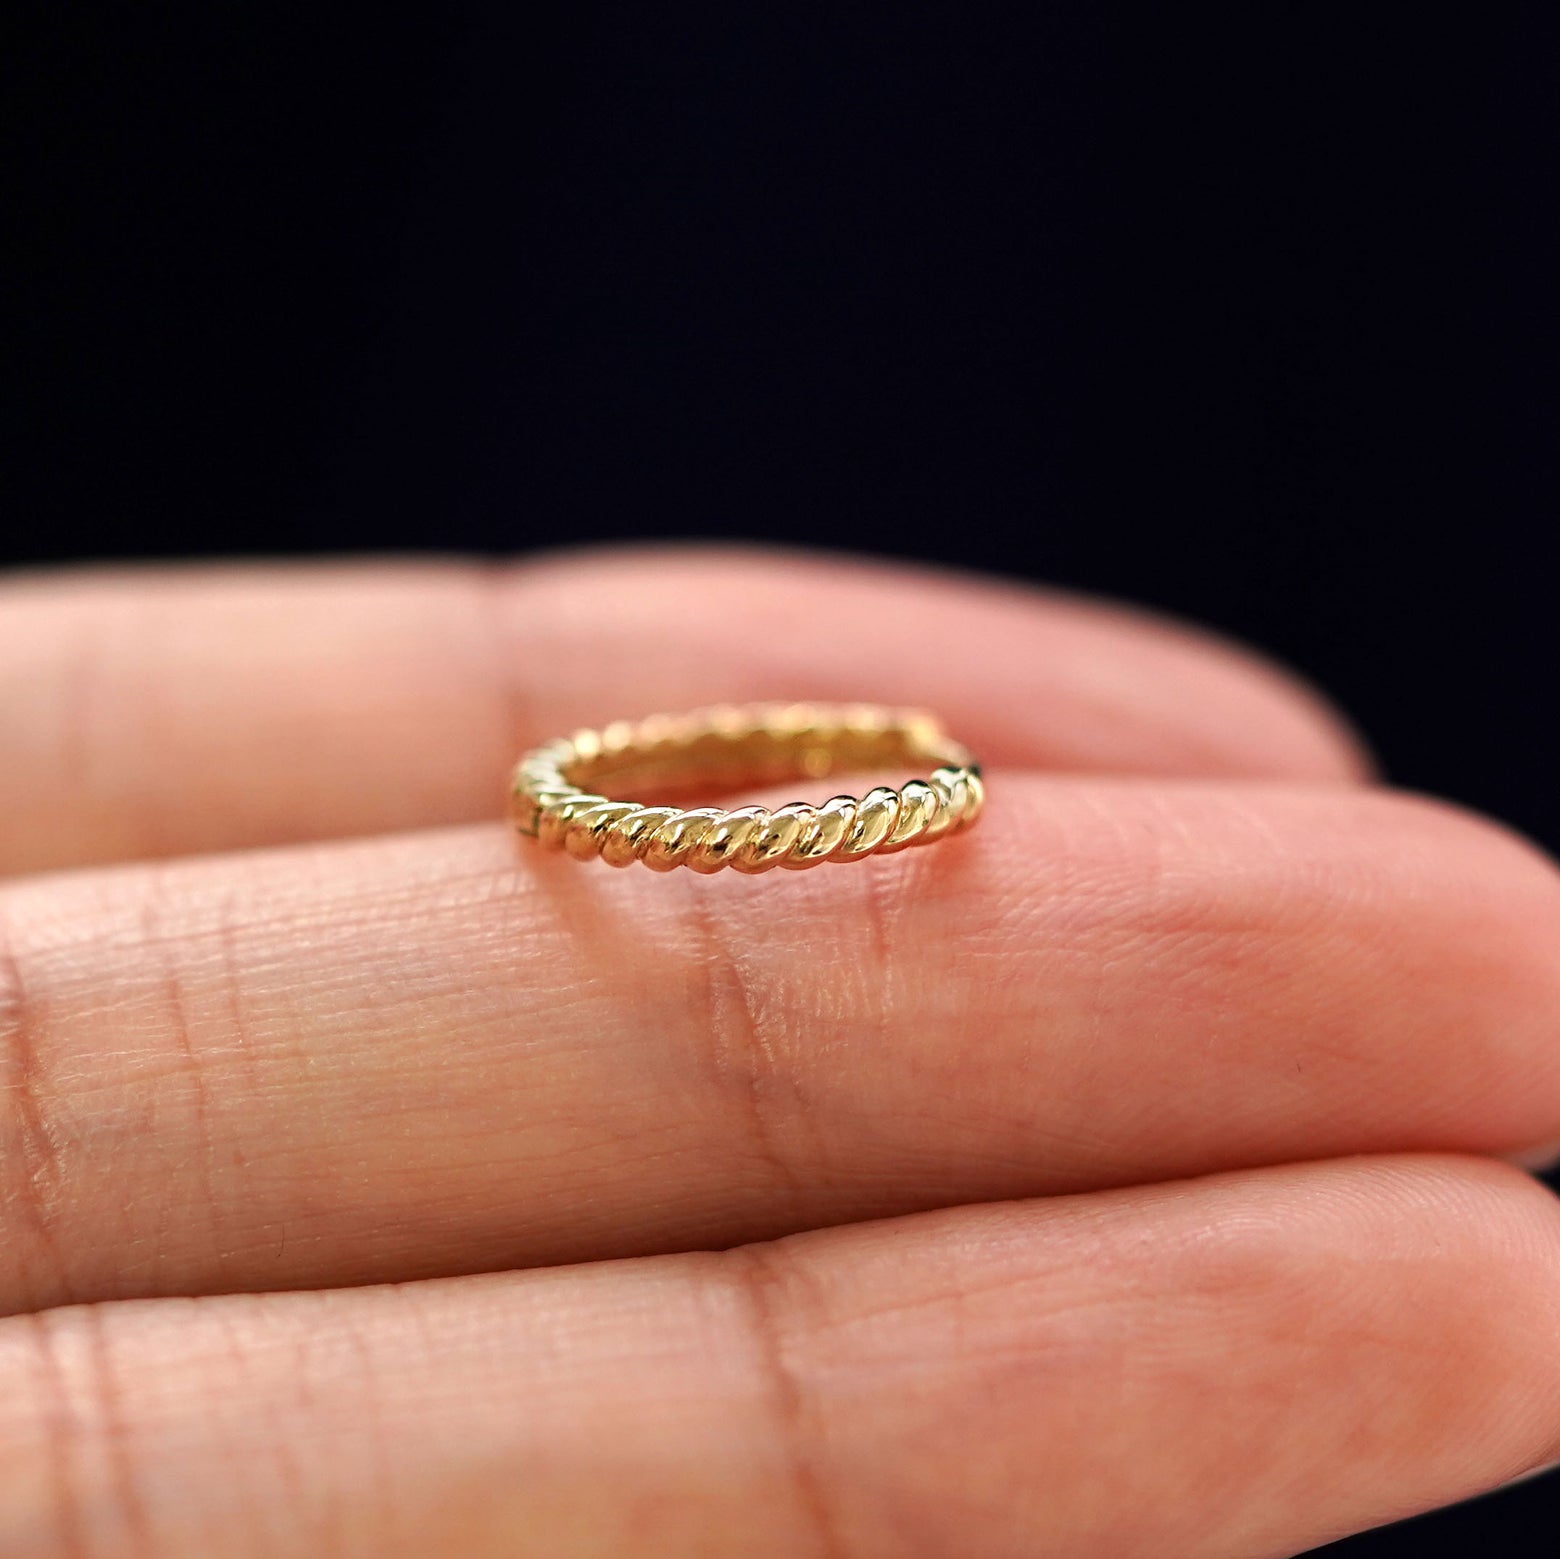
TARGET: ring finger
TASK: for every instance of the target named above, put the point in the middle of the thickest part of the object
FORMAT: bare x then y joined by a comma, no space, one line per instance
424,1055
1241,1366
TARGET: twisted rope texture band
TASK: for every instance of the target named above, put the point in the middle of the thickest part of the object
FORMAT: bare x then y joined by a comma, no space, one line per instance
553,800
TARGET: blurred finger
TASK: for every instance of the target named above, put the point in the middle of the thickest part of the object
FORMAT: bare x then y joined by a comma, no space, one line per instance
152,713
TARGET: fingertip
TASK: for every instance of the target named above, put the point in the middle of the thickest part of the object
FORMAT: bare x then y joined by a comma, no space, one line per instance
1037,676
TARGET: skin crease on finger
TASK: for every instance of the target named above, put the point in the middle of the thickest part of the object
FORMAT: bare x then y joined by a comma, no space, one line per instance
146,713
433,1054
1236,1368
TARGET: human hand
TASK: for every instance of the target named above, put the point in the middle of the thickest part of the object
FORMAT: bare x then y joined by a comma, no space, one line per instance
1116,1179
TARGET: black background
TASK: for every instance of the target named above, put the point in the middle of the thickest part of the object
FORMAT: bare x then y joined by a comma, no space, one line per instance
1249,313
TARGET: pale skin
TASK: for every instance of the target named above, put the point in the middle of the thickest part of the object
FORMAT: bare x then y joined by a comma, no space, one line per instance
1127,1176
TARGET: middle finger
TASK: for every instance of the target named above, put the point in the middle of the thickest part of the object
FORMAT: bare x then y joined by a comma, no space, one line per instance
425,1055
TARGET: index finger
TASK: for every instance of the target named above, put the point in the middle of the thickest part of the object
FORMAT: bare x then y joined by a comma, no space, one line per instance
146,713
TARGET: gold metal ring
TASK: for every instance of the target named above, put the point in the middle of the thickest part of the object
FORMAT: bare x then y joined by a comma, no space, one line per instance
554,797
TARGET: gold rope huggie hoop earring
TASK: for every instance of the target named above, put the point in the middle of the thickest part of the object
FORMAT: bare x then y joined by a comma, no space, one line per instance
553,798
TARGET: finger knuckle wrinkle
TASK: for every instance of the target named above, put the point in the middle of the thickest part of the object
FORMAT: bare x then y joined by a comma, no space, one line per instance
88,1497
762,1287
32,1152
739,1040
